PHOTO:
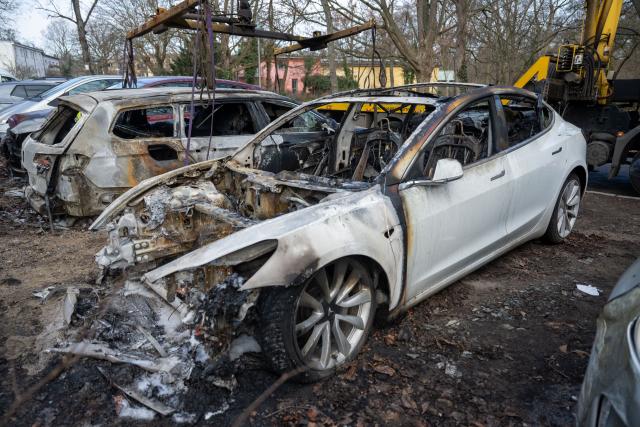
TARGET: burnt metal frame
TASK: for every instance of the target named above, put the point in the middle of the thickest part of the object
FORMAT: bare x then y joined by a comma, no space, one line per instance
184,16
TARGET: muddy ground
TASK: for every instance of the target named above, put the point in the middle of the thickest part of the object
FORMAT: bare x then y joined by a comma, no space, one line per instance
508,345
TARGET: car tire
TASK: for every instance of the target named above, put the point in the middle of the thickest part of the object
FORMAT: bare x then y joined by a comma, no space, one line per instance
565,211
298,323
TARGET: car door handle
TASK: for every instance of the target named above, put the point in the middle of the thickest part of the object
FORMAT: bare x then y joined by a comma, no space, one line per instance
557,151
500,175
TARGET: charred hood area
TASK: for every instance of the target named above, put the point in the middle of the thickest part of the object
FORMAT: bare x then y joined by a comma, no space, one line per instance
202,206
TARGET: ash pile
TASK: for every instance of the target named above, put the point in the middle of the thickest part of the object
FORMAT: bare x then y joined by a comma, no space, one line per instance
156,350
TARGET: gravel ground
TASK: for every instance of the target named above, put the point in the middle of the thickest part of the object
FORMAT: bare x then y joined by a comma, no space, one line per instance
507,345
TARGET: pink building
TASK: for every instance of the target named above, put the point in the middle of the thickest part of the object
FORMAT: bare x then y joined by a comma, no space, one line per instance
290,72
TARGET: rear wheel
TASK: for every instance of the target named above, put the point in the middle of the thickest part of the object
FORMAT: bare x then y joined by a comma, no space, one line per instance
320,325
565,212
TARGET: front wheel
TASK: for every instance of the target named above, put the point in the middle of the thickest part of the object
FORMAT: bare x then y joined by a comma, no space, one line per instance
320,325
565,212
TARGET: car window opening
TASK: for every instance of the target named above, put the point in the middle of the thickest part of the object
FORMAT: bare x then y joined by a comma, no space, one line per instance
347,141
155,122
227,119
59,126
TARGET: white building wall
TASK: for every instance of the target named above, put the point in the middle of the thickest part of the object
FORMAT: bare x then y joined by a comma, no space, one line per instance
15,56
7,56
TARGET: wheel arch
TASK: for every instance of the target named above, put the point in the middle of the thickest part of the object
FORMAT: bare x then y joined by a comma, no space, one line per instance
581,172
630,140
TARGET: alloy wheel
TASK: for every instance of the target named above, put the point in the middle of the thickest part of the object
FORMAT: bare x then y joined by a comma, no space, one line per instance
569,204
332,313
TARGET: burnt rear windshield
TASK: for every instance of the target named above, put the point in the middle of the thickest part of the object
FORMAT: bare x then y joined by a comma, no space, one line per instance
59,126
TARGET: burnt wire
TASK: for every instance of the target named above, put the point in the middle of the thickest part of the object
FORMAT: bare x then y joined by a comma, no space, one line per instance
129,79
193,94
211,87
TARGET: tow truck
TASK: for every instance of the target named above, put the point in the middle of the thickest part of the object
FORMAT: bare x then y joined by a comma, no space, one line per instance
579,83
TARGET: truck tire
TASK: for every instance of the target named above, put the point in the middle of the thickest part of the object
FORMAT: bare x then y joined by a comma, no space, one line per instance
634,172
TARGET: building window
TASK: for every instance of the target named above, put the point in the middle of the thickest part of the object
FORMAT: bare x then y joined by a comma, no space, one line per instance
294,85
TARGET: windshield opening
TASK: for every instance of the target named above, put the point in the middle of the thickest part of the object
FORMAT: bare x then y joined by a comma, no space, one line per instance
346,140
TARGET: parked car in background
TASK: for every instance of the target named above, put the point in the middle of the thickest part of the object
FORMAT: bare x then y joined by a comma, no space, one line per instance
6,76
16,91
315,223
20,126
184,81
98,145
610,395
47,100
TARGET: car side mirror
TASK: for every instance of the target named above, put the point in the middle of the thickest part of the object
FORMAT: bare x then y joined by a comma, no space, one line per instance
54,103
446,170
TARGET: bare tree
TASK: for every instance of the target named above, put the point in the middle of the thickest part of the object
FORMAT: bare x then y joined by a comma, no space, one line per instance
80,23
331,52
152,50
63,44
7,8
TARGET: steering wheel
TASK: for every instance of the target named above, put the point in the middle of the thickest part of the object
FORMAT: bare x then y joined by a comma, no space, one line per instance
464,151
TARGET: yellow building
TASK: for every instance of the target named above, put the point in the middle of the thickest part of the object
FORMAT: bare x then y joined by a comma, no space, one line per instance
369,77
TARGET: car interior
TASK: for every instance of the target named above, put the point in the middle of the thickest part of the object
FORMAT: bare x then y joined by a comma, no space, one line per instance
356,148
145,123
465,138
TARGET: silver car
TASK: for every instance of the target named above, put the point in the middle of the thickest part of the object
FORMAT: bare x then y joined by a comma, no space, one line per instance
98,145
48,100
610,394
364,200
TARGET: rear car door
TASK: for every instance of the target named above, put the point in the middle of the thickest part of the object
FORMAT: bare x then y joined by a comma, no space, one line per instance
146,143
35,89
535,154
458,224
218,130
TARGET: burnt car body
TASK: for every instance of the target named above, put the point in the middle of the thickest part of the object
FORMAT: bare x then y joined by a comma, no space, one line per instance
48,100
364,199
98,145
610,395
21,125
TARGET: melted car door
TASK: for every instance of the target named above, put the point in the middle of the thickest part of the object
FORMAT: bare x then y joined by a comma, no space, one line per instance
144,143
455,226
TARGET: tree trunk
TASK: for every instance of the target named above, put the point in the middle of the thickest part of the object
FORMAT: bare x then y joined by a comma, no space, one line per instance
462,18
331,52
81,25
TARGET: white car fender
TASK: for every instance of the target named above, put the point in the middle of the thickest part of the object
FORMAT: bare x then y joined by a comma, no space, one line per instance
358,224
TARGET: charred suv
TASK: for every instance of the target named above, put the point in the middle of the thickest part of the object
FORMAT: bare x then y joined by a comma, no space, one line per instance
357,202
97,145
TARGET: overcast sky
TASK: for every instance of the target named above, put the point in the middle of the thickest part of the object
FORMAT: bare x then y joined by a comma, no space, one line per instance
30,22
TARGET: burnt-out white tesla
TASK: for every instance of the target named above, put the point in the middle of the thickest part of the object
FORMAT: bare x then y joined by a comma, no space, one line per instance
358,204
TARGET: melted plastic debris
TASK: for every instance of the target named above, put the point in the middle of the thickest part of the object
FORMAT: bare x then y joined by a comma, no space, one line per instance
243,344
224,408
155,202
156,354
124,409
184,418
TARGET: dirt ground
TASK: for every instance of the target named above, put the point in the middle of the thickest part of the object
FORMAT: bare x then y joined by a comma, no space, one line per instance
508,345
